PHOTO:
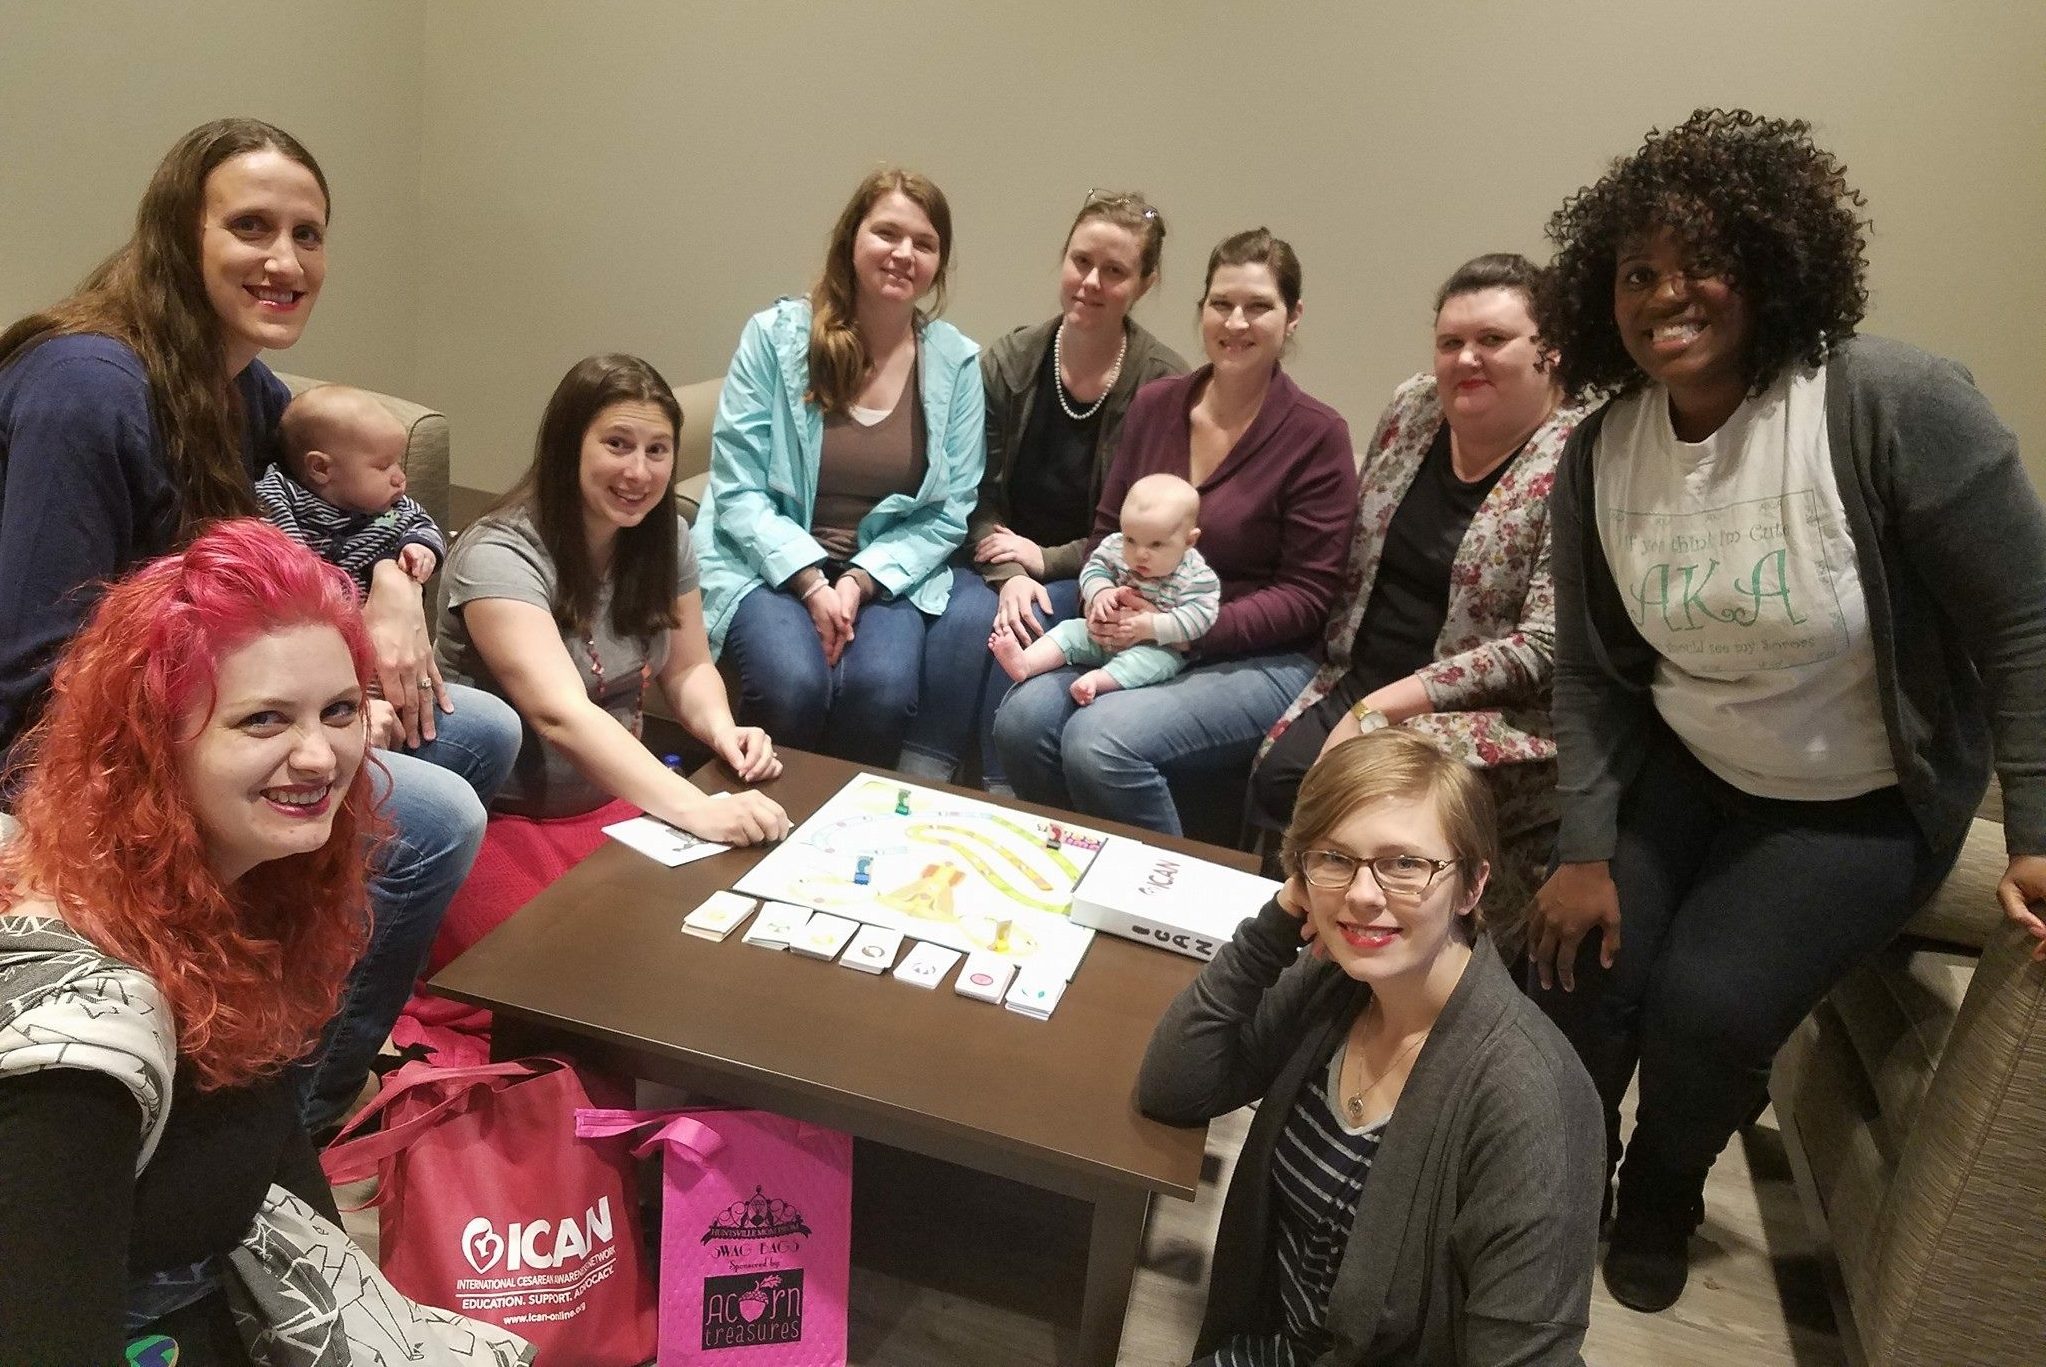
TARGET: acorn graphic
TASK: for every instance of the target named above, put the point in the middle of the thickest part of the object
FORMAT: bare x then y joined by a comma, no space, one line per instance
753,1304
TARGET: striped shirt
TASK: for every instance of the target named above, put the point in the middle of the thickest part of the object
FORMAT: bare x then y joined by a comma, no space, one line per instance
354,541
1188,599
1318,1171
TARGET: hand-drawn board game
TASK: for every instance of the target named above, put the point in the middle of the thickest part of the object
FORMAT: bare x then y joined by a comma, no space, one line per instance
938,867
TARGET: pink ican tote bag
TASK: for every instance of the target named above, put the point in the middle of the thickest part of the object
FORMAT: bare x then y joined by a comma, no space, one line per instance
756,1235
489,1204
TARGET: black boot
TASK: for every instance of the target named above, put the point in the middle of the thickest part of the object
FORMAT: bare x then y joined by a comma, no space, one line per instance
1649,1258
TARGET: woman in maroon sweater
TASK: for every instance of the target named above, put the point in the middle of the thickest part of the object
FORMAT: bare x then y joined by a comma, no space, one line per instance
1278,487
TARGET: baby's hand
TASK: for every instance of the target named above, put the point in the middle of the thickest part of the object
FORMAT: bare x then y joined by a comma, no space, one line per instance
417,562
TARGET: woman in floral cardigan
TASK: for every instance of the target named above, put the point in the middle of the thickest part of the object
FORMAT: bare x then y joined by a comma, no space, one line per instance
1445,622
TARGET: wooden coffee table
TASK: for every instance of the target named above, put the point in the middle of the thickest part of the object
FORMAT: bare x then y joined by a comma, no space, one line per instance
598,966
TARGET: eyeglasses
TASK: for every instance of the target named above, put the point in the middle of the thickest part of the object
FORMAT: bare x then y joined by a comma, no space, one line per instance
1397,875
1116,199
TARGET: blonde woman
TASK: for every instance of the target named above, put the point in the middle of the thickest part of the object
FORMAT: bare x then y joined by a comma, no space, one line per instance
1421,1182
845,459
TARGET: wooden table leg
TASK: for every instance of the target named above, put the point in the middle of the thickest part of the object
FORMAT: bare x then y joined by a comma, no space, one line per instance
1112,1246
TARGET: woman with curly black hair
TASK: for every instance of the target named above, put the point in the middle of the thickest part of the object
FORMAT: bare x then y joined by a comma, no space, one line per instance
1788,640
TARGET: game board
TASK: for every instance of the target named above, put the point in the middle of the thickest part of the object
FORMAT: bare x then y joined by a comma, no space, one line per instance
938,867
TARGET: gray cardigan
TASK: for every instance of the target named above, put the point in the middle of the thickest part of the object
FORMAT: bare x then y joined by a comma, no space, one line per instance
1008,370
1477,1228
1950,542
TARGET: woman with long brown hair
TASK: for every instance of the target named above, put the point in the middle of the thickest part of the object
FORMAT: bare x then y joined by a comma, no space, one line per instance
135,412
573,599
846,457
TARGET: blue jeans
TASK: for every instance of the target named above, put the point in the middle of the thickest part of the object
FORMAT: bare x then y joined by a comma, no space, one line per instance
857,709
963,686
1111,758
434,797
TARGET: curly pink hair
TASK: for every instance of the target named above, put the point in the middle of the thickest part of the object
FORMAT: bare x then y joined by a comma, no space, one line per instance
252,972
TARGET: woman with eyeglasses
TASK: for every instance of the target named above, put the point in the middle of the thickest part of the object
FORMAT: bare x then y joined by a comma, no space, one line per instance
1421,1180
1278,487
1057,392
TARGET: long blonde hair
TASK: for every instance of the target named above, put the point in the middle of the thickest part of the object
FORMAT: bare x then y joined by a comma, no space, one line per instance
838,353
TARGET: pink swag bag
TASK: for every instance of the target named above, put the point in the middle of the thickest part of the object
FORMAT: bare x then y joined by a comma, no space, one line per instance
489,1204
756,1235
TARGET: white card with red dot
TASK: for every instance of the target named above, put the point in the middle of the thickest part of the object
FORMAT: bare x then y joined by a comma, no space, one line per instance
984,977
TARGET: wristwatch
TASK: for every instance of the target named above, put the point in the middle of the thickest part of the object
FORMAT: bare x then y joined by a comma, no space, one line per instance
1369,719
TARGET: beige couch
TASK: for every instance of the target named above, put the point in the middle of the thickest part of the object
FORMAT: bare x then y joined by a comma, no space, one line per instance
1913,1107
692,449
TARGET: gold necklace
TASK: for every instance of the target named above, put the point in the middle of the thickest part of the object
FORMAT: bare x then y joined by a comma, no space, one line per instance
1353,1099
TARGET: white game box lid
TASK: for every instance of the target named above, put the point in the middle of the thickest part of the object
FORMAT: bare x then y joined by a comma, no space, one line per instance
1172,900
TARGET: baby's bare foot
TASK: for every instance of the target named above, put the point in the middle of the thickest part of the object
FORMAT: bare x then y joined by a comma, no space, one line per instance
1009,655
1091,685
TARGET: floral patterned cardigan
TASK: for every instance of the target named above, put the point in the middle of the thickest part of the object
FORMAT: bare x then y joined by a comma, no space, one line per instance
1488,685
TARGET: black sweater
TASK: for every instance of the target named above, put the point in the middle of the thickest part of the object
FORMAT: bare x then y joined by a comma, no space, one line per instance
77,1223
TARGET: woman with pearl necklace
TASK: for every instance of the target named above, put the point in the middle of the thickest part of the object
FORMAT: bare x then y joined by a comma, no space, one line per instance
1056,395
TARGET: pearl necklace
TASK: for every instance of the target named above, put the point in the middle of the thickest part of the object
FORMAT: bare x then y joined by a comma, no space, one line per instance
1058,374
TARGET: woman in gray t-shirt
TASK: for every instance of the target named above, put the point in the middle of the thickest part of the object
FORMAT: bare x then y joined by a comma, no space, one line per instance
570,598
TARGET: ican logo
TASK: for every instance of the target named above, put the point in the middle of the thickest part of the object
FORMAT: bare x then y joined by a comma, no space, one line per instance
540,1243
743,1311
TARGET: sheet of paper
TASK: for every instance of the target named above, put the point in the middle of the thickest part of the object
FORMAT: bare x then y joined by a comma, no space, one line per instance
662,843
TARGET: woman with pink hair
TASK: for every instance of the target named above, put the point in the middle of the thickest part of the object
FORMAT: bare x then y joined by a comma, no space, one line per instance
179,909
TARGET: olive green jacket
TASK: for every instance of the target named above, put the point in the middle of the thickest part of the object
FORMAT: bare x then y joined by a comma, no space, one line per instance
1008,371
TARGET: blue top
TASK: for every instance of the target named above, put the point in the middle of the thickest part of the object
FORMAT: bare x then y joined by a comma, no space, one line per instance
85,494
764,450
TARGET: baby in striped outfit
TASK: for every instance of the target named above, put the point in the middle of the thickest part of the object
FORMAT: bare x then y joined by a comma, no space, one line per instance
340,487
1149,576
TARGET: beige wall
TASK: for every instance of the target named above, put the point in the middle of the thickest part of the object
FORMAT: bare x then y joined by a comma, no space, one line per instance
94,92
518,184
643,175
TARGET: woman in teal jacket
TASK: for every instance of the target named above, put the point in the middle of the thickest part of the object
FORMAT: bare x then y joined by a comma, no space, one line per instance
845,460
